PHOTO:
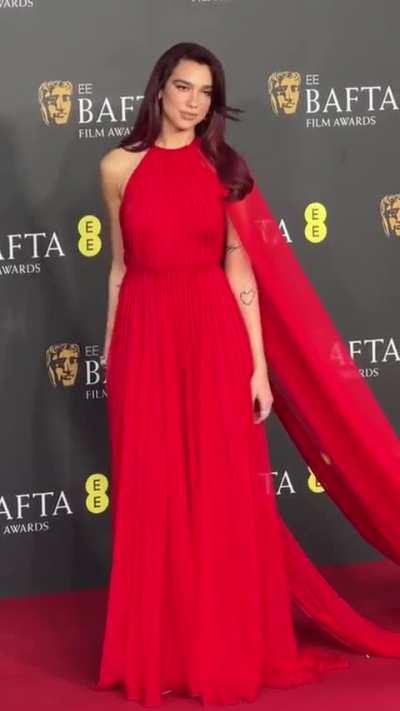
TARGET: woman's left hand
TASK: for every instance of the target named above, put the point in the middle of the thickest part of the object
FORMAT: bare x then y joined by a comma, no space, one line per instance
261,393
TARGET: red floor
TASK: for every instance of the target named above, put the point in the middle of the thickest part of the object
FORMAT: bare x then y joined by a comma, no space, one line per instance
50,646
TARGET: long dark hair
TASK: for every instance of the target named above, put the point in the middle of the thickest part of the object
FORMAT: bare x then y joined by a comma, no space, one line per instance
231,168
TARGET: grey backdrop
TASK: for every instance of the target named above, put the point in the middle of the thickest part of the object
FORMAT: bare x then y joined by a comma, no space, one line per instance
54,251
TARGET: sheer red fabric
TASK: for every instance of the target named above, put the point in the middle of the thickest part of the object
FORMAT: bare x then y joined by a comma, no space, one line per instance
330,413
204,569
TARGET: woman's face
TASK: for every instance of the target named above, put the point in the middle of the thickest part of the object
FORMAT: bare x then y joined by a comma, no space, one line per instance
186,96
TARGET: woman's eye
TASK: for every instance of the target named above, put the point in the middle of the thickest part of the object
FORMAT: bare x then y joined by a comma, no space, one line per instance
181,86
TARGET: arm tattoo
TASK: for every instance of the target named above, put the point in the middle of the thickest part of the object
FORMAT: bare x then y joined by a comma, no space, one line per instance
247,296
230,247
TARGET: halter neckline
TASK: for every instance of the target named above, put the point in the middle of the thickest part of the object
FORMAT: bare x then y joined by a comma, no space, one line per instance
179,149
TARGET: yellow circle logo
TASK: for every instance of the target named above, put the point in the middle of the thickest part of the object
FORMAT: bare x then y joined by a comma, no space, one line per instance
97,500
89,228
313,483
315,216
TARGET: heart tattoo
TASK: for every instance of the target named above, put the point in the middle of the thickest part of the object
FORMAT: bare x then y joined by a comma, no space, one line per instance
246,297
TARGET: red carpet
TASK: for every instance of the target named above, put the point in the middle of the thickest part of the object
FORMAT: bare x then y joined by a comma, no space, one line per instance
50,647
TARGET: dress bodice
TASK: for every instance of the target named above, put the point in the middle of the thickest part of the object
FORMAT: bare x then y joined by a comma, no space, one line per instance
172,212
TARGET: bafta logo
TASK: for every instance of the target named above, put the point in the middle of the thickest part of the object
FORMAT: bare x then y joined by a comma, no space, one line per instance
390,214
284,92
62,361
55,98
268,230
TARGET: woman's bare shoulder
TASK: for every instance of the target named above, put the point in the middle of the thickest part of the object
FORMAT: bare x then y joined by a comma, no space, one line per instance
118,158
117,164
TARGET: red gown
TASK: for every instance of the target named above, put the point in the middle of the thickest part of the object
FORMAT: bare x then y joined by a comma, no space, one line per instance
204,570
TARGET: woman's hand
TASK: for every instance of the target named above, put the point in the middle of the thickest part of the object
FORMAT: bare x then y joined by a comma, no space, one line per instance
261,394
104,354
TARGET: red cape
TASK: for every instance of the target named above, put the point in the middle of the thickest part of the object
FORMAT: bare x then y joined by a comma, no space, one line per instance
331,415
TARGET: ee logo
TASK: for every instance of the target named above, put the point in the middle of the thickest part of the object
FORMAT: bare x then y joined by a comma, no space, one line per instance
313,483
89,228
97,500
315,216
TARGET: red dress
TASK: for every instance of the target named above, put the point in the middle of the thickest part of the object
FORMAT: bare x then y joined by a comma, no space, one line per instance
199,598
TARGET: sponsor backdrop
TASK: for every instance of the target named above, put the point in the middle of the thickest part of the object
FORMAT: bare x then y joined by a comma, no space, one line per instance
320,86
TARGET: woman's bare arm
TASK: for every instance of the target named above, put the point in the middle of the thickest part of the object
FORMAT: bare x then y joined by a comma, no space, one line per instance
116,168
110,179
243,283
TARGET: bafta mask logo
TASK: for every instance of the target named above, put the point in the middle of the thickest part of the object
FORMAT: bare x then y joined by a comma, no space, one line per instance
55,99
390,214
284,92
62,361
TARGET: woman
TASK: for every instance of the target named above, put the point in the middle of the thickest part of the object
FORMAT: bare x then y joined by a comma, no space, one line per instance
211,321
